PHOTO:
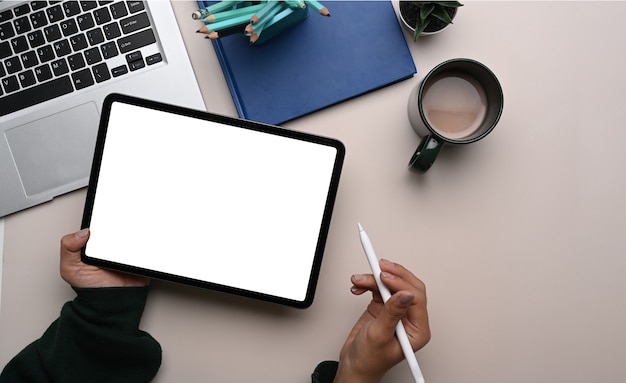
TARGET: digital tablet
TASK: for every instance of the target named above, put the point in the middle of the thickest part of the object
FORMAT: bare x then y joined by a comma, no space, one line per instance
210,201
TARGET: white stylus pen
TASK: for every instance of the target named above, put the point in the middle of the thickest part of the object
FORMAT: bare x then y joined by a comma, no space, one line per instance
409,354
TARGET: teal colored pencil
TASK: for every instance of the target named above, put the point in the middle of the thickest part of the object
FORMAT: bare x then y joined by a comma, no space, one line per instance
258,28
223,6
295,3
264,19
269,7
223,15
200,13
319,7
215,8
224,24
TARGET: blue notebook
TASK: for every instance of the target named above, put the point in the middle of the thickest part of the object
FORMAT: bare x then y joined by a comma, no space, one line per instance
317,63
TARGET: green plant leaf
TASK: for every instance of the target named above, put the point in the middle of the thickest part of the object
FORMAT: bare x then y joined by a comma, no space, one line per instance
419,28
426,10
442,15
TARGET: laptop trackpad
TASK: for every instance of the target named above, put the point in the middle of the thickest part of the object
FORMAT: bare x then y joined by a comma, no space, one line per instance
55,150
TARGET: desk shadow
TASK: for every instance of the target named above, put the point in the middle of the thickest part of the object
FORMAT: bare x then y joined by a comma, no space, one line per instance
192,296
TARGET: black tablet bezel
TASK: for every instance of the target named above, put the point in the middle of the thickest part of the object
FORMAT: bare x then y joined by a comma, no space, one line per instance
237,123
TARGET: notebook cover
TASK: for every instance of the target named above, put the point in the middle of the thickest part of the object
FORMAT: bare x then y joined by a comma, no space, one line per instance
317,63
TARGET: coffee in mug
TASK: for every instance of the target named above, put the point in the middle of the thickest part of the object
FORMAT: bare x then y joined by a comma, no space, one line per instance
458,102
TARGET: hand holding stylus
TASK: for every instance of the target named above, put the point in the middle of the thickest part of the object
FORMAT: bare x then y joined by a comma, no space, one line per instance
372,347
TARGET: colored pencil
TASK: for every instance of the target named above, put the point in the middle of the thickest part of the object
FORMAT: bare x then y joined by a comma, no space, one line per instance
319,7
269,7
223,15
240,21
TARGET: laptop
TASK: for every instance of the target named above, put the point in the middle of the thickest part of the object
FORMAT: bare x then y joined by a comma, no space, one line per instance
58,61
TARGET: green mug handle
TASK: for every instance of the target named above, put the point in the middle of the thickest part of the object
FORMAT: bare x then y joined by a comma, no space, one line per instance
425,154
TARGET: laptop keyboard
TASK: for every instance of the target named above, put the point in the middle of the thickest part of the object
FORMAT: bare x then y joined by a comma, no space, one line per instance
52,48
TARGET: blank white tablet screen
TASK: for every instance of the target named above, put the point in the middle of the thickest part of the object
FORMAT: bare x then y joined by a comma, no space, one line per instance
209,201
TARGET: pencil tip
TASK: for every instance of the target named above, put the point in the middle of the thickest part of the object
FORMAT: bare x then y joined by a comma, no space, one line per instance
360,227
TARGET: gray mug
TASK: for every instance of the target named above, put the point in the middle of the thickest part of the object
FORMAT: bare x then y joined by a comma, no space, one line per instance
458,102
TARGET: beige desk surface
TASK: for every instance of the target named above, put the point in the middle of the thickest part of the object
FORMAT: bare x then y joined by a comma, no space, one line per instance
519,238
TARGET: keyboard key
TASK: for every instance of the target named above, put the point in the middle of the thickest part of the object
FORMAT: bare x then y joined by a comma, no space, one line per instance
76,61
118,10
2,72
85,21
79,42
35,95
133,56
10,84
6,30
52,33
71,8
82,79
102,16
111,31
135,6
92,56
118,71
101,72
88,5
95,36
109,50
55,14
5,50
136,65
13,65
19,44
38,19
29,59
21,10
62,48
35,39
68,27
135,23
45,53
43,73
6,15
153,59
22,25
136,41
59,67
35,5
27,78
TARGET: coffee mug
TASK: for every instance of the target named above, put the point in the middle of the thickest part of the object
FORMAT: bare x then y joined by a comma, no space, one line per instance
458,102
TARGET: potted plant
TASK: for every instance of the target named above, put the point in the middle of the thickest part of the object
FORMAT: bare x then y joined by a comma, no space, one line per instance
427,17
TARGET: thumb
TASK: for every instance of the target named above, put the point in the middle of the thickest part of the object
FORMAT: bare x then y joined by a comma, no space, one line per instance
72,243
395,309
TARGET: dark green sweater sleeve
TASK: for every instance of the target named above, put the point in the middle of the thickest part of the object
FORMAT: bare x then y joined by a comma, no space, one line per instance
325,372
95,339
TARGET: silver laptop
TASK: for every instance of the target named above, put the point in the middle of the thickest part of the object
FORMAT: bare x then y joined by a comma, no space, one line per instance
58,61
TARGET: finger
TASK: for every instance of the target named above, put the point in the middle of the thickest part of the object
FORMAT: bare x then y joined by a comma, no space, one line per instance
417,313
71,244
402,279
364,283
394,310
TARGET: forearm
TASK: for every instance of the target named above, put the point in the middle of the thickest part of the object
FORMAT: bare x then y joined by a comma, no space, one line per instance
96,338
